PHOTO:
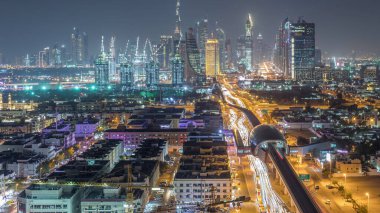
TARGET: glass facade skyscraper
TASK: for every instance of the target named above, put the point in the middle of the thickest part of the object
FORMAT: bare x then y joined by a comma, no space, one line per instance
294,52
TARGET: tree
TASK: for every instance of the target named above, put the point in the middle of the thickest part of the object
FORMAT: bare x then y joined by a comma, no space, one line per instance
69,152
60,157
362,209
348,196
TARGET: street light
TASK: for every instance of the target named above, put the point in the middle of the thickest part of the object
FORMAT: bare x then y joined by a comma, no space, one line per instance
345,178
367,194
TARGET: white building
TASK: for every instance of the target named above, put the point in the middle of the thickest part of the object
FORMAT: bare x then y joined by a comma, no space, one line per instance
201,190
48,198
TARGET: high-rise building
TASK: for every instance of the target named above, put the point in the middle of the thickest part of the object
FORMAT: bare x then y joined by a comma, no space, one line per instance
193,71
302,50
152,70
229,56
202,36
240,49
56,56
295,50
248,44
126,75
212,57
112,61
178,31
221,36
165,51
318,57
102,68
27,61
126,70
178,69
260,50
85,56
63,54
79,47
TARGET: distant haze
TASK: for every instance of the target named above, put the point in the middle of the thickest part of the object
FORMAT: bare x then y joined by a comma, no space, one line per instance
28,26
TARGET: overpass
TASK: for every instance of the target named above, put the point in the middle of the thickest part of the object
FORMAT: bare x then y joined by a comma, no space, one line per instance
268,143
267,140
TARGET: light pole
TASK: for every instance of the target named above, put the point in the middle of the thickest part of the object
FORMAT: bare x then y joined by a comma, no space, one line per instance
345,178
367,194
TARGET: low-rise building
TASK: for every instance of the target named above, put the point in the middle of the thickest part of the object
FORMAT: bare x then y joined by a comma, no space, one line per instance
351,166
110,150
133,137
203,175
22,164
81,171
152,149
110,200
49,198
86,127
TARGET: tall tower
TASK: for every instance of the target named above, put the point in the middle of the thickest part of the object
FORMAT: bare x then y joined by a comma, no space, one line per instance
177,70
202,34
177,32
212,58
112,60
166,43
152,70
193,71
102,68
84,49
221,36
248,43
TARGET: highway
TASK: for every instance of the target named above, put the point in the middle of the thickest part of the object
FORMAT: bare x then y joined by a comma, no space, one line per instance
301,196
243,121
267,196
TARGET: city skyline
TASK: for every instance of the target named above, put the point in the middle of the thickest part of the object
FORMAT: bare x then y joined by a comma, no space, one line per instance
108,19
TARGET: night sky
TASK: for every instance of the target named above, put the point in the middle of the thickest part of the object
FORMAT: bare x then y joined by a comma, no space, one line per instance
30,25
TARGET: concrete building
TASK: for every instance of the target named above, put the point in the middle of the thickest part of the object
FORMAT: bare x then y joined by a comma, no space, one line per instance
152,149
133,137
49,198
351,166
86,127
203,175
110,150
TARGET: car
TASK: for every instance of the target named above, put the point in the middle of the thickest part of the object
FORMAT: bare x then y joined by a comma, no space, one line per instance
316,187
328,202
329,187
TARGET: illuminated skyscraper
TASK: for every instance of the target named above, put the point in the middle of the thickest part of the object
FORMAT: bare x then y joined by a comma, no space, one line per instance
295,50
178,31
164,53
152,70
248,44
126,75
202,36
79,47
229,55
102,68
112,61
178,69
56,56
212,58
85,48
193,70
126,70
221,36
